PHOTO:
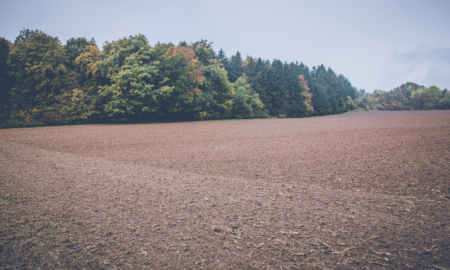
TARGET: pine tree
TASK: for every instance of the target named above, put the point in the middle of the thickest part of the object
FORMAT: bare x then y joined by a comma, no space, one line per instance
183,43
235,69
221,55
336,92
328,83
259,82
224,60
349,89
299,96
278,90
319,93
5,79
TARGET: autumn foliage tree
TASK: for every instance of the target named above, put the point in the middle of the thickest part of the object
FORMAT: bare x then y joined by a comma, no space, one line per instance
184,74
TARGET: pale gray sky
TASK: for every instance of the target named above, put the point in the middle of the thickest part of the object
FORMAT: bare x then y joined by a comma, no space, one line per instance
376,44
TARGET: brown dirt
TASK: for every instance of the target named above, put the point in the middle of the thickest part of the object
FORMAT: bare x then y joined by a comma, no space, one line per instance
359,191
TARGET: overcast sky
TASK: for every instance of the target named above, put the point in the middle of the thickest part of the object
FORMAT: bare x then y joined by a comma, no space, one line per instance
376,44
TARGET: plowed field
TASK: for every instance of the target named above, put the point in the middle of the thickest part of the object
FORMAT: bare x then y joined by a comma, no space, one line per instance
367,190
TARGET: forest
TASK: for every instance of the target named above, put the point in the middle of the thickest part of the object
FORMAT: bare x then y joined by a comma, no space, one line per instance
43,82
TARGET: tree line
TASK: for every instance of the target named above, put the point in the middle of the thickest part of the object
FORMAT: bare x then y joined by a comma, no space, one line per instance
408,96
43,82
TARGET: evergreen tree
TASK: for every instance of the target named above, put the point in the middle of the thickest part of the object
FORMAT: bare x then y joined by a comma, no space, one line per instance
258,79
183,43
224,60
249,68
278,90
304,70
235,69
444,92
319,93
329,82
221,55
349,89
299,97
336,92
5,79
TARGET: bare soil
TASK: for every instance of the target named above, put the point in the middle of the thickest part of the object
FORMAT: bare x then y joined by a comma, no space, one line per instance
367,190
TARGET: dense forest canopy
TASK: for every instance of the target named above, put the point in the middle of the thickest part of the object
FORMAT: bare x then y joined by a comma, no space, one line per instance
43,82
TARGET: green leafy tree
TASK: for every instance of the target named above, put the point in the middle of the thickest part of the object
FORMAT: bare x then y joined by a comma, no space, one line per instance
116,53
431,96
204,51
161,48
350,103
427,98
184,74
241,101
76,46
88,65
136,86
216,99
72,105
246,102
26,34
445,101
38,66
